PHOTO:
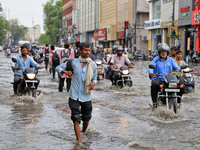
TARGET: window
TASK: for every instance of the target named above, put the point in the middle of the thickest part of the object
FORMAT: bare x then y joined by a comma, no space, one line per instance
156,9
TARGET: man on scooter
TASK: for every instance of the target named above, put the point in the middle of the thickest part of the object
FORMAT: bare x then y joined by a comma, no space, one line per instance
23,61
118,61
164,65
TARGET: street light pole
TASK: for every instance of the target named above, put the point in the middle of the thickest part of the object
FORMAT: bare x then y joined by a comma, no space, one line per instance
135,21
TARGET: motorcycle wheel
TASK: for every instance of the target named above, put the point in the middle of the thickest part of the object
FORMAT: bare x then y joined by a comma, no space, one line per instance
174,105
129,83
34,93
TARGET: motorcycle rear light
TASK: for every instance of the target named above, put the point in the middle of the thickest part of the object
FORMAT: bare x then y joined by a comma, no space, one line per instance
181,86
161,86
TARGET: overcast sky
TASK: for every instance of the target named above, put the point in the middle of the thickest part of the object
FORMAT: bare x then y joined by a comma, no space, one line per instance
26,11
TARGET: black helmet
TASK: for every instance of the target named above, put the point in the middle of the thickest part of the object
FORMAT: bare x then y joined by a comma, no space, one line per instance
120,48
163,47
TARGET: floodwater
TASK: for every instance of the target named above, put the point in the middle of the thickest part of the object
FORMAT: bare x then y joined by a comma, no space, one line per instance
121,118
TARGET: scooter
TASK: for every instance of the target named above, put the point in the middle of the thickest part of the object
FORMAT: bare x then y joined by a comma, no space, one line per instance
100,69
125,77
169,89
188,80
27,85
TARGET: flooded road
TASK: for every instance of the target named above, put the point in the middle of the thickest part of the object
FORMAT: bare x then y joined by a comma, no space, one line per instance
122,118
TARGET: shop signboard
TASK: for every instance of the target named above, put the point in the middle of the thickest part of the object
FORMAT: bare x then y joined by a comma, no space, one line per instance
196,17
102,34
152,24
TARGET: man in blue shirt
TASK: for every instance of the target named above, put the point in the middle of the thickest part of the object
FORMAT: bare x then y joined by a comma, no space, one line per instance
164,65
84,78
23,61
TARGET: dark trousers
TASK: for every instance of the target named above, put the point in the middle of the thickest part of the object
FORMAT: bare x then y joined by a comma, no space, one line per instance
155,87
110,74
46,63
16,82
53,71
61,84
116,76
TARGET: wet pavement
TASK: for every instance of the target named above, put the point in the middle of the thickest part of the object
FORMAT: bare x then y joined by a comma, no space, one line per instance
121,118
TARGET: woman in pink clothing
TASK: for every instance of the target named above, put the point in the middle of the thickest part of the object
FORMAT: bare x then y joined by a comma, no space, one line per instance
70,54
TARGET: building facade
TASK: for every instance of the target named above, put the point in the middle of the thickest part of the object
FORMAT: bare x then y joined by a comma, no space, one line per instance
33,34
87,20
153,25
67,28
196,25
186,31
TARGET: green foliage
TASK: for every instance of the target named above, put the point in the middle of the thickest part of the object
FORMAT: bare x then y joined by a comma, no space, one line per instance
43,39
17,31
4,27
53,20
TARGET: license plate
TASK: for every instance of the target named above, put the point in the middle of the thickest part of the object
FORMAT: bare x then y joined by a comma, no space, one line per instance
32,81
172,90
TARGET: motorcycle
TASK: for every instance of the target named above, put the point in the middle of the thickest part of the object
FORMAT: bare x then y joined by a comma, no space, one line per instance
125,77
38,58
169,89
100,69
27,83
188,80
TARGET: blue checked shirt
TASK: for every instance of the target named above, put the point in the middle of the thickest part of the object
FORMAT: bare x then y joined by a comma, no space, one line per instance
22,65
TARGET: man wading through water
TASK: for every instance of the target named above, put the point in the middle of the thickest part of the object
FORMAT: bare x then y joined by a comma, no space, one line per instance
84,72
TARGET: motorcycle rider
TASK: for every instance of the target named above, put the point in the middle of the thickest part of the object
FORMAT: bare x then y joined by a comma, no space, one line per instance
118,61
164,65
95,55
23,61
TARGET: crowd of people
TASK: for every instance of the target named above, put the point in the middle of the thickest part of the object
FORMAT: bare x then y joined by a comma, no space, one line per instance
77,66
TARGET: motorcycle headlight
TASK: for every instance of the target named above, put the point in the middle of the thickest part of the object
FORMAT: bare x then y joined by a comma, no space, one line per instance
31,76
125,72
186,70
172,85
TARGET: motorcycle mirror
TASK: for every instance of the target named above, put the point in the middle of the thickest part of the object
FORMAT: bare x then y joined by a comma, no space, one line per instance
14,60
152,66
184,66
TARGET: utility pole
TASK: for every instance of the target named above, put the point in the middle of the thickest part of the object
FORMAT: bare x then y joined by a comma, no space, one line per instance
173,11
135,21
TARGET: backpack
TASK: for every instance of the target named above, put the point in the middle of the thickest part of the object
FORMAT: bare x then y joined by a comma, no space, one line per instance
46,53
66,55
55,59
69,65
76,53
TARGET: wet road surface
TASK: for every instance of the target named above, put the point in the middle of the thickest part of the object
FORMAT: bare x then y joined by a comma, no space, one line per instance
122,118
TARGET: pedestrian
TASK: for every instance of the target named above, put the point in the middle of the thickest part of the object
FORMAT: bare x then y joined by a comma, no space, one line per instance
84,72
46,51
67,53
76,50
8,52
54,60
179,44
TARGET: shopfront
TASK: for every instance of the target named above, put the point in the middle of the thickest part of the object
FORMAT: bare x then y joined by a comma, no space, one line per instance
155,33
186,30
